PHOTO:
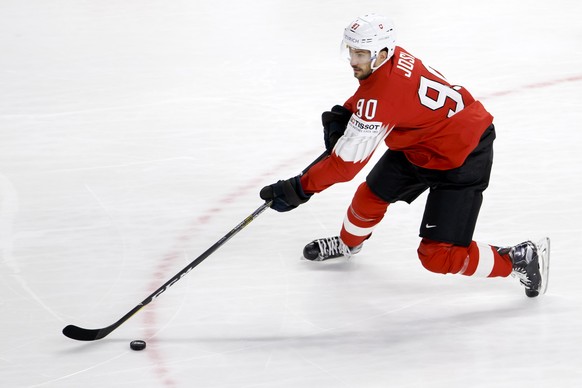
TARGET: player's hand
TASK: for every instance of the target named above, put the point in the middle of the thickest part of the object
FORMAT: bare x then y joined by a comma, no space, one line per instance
334,125
286,195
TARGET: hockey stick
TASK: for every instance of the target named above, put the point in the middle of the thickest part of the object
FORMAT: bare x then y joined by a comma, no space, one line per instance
81,334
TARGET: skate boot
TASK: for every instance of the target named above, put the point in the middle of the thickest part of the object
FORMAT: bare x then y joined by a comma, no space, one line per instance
531,265
329,248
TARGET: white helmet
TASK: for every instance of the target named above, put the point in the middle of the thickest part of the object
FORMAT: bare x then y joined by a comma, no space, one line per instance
371,32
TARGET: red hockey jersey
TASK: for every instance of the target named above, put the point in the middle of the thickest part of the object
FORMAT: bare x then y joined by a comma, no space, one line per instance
413,109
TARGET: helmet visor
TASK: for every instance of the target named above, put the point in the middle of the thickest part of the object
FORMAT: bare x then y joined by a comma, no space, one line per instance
354,55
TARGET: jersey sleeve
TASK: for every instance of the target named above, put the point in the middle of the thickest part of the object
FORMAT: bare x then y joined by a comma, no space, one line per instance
329,171
350,154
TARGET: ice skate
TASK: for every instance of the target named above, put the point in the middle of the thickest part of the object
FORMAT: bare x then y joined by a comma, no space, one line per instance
329,248
531,265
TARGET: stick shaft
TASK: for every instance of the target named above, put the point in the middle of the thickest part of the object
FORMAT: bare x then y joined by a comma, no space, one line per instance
82,334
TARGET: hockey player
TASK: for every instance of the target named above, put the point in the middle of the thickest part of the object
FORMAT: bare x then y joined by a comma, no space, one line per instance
439,139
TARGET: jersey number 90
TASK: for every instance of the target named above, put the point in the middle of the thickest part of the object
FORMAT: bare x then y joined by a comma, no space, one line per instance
366,109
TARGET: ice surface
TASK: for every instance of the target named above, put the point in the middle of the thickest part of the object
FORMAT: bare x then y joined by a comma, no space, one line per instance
135,134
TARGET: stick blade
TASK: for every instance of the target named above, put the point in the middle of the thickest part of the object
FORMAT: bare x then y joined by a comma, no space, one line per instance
81,334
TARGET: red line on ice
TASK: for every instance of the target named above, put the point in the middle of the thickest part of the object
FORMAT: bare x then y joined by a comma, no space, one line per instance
166,267
535,85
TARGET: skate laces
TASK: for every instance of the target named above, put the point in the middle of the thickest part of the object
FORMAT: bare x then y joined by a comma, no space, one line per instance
332,246
522,276
522,255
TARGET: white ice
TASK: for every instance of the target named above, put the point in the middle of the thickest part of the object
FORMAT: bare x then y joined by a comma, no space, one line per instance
135,134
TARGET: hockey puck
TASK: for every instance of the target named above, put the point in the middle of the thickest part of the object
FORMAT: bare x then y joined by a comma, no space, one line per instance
137,345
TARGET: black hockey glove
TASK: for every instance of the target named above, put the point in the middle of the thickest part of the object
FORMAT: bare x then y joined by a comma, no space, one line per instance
334,125
286,195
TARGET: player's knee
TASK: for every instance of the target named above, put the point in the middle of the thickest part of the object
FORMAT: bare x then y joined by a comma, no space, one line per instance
441,257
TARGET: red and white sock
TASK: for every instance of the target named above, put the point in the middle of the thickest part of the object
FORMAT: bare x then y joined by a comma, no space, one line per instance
364,214
480,260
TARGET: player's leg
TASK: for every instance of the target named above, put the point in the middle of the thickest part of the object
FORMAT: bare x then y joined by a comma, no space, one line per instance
449,221
527,261
447,230
392,179
450,216
364,214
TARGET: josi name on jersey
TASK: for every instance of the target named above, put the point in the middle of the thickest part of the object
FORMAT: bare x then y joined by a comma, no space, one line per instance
405,63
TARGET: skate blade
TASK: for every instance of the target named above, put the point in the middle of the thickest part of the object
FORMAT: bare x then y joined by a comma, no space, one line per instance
544,259
323,259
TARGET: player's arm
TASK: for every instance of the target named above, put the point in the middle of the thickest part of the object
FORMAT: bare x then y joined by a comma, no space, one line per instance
353,141
351,151
287,194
